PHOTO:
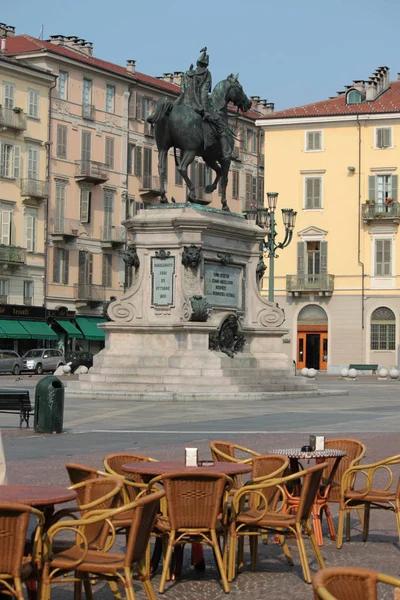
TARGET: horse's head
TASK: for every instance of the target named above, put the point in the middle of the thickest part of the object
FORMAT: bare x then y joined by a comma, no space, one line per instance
236,93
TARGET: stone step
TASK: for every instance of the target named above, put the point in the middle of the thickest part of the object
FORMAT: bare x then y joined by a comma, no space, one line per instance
133,372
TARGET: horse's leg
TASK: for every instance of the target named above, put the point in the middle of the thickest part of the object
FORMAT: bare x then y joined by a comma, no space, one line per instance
212,163
162,157
187,157
225,164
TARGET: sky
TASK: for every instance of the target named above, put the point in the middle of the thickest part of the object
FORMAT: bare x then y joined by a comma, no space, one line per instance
290,53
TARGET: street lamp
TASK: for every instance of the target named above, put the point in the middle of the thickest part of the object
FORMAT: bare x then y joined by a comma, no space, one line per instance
265,218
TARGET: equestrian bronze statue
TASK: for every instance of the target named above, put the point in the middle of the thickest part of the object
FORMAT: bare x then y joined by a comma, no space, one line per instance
197,125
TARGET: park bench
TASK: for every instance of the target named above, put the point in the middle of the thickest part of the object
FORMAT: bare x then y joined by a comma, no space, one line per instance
365,367
16,402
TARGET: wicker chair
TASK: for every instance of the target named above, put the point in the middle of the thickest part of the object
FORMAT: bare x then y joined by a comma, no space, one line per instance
227,452
80,563
370,497
255,517
195,501
14,567
343,583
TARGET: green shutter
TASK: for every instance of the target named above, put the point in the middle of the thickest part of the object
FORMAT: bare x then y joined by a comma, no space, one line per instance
324,257
56,260
395,185
66,266
371,187
301,251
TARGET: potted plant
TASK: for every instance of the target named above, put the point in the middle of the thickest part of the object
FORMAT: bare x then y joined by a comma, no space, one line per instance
370,202
18,110
389,200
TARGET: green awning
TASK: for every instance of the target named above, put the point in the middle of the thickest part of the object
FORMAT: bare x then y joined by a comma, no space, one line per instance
13,329
39,330
88,325
72,331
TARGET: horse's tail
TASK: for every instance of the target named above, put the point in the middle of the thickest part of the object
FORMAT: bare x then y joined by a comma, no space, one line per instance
162,109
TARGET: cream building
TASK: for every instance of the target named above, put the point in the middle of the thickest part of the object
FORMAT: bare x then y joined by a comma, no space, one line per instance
336,162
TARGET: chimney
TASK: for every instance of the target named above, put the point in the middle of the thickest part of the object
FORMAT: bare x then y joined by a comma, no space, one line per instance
131,66
57,40
358,84
254,101
168,77
264,107
177,78
371,90
6,30
73,42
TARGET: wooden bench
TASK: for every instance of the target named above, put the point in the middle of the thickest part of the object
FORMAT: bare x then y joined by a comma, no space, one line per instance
16,402
366,367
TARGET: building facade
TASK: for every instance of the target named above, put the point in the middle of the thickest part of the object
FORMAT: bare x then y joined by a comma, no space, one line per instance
336,163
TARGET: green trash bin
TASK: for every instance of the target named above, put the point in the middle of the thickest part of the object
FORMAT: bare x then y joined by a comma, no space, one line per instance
49,405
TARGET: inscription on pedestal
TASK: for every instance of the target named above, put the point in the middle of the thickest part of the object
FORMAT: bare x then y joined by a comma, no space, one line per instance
162,281
222,285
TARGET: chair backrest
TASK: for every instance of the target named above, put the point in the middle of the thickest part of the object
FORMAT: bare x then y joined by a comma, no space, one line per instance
227,448
268,466
14,519
113,462
194,500
346,582
355,450
78,473
309,490
144,516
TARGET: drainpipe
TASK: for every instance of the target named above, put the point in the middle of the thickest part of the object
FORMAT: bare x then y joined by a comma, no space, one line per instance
47,212
131,90
360,262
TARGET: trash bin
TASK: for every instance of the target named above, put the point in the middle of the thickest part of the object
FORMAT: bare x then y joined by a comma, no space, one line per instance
49,405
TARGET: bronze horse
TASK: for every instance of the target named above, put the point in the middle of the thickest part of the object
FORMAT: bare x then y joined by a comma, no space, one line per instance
180,126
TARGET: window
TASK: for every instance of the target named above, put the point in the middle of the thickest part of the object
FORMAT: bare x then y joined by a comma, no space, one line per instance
30,224
9,160
178,177
5,225
147,108
87,91
383,329
131,158
313,141
33,163
86,199
33,103
147,167
139,107
313,192
110,98
382,187
28,292
107,270
383,137
63,85
235,184
133,207
108,217
3,291
85,268
86,148
260,191
138,161
251,141
109,152
59,206
61,150
312,260
383,257
353,97
60,265
251,191
8,95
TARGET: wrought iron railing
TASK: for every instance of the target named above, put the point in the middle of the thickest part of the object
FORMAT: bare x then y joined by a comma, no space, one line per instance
12,254
88,111
10,118
379,210
110,233
34,188
90,168
89,291
323,282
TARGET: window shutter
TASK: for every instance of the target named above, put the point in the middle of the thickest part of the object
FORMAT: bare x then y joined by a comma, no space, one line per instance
17,161
371,187
387,142
242,138
66,266
254,190
29,233
201,173
56,264
301,250
309,193
139,107
379,138
61,141
324,256
90,267
193,173
395,180
32,163
2,159
104,271
317,140
147,159
86,196
9,95
110,152
138,161
387,259
131,149
248,190
309,141
6,227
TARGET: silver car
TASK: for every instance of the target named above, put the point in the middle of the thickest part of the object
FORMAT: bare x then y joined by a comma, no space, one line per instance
10,362
41,360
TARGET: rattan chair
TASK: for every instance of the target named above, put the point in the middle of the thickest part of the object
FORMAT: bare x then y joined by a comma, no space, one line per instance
227,452
251,515
78,473
14,567
80,563
196,514
345,583
370,497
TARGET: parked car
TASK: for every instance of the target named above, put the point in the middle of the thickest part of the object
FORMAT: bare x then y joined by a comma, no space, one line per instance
10,362
78,358
40,360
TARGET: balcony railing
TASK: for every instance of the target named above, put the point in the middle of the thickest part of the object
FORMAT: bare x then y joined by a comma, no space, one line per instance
109,233
310,283
89,291
12,254
28,301
89,111
61,226
91,171
11,119
150,184
379,210
34,188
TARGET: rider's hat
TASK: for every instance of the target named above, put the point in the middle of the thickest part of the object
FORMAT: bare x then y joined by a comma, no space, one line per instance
203,58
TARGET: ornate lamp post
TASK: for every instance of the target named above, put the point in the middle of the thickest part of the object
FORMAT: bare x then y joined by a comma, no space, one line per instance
265,218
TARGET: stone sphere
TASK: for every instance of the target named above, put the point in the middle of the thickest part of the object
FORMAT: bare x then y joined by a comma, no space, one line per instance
311,373
344,372
353,373
394,373
82,369
383,372
304,371
67,369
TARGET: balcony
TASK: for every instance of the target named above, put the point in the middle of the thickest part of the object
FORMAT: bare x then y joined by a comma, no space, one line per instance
12,120
12,255
89,292
321,284
148,129
89,112
89,171
111,235
34,188
149,186
380,211
61,228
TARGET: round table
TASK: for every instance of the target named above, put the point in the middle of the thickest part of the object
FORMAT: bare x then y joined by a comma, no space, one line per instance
318,455
158,468
38,496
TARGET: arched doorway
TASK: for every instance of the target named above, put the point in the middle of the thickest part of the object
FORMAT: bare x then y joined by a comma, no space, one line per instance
312,338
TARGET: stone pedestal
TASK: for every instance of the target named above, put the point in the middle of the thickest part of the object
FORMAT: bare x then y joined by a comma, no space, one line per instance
193,325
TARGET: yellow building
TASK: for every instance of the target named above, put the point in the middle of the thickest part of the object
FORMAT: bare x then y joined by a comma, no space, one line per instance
336,163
